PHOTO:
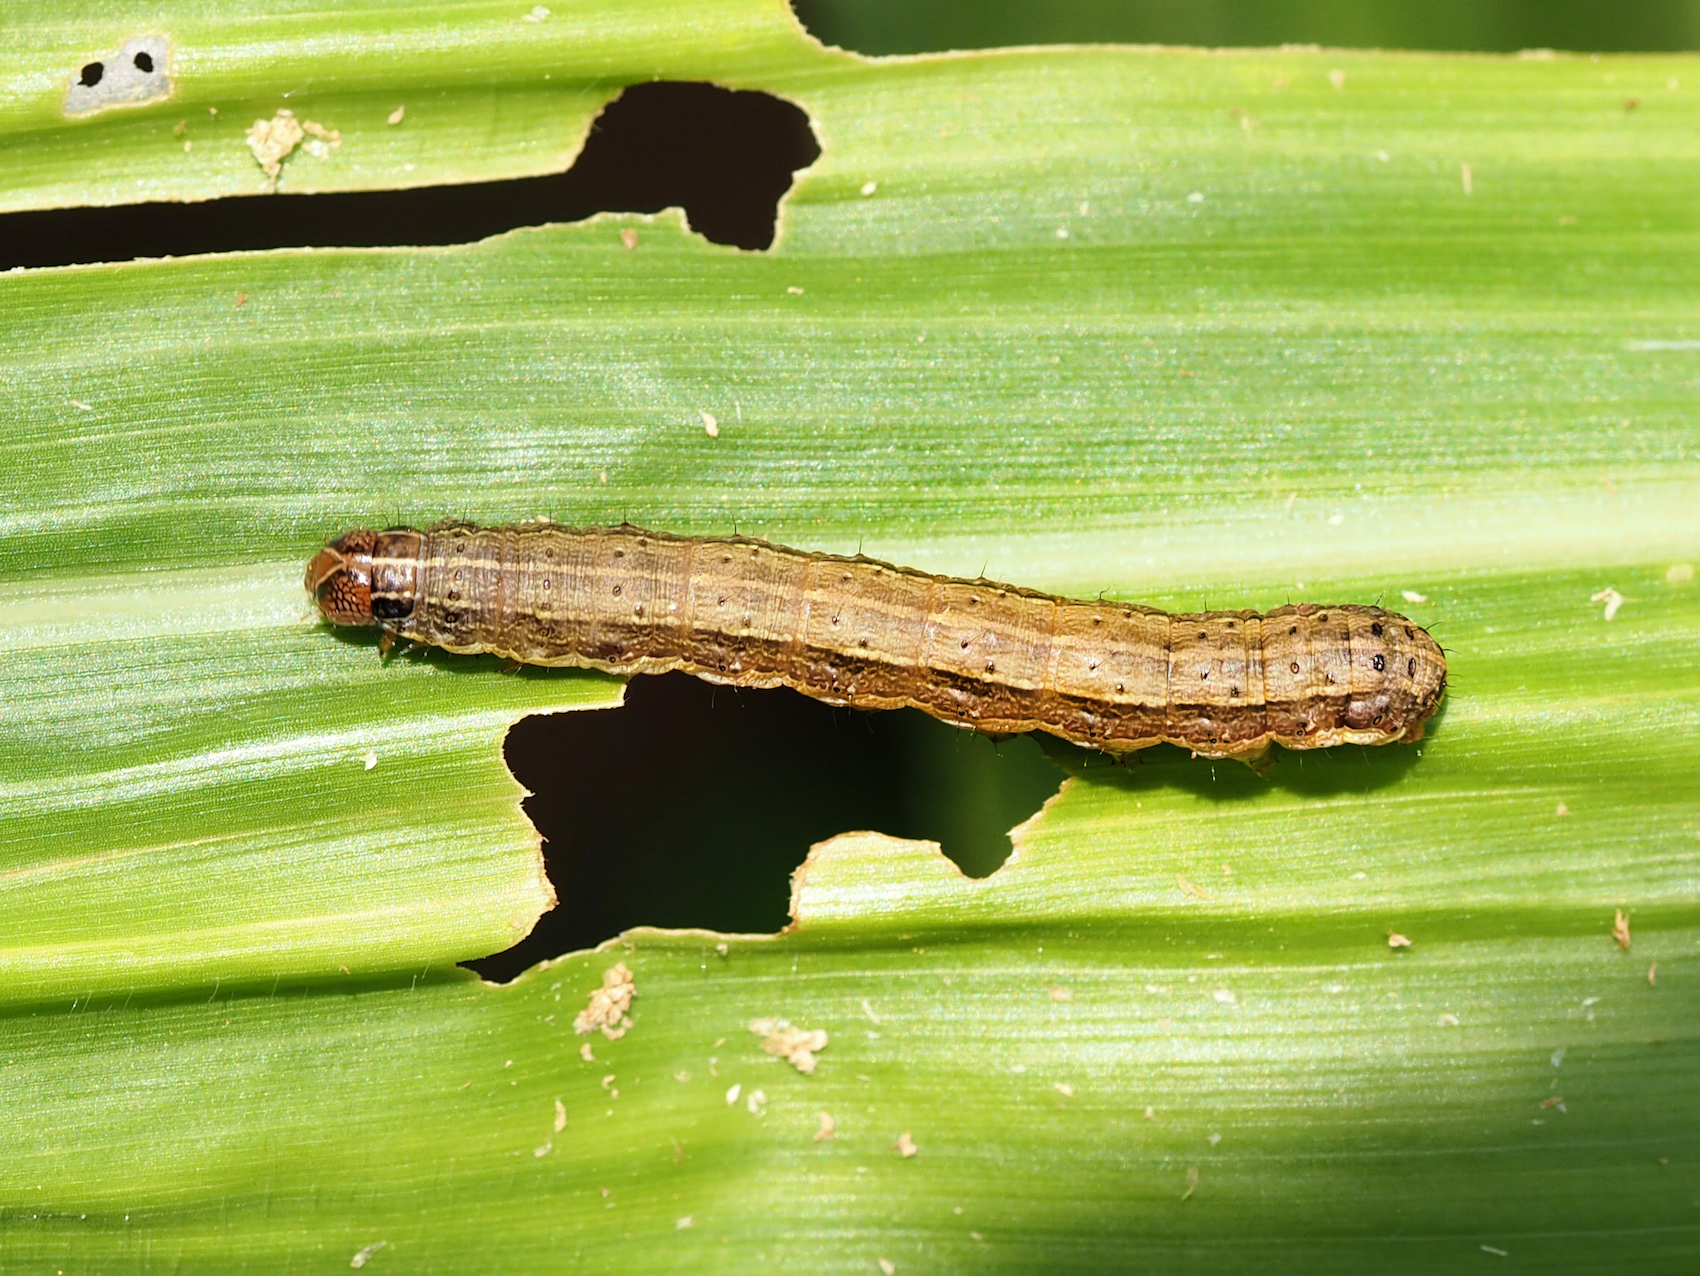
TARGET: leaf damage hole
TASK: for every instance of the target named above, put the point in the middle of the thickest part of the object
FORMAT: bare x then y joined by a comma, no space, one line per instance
727,157
691,804
134,75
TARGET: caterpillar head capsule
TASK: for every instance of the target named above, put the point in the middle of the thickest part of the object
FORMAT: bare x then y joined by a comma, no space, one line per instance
340,579
366,578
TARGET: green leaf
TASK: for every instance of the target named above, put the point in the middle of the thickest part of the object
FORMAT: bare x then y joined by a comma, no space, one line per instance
1429,326
1502,26
488,89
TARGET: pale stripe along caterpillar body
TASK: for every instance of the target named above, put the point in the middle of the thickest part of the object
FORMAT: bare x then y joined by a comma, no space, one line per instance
852,631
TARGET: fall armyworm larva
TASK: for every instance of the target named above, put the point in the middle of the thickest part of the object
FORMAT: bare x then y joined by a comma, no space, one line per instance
852,631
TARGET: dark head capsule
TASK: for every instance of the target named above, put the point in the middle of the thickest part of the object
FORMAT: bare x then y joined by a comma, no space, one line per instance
366,578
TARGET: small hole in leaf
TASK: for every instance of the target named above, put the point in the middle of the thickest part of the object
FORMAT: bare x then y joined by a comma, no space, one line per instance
143,63
91,75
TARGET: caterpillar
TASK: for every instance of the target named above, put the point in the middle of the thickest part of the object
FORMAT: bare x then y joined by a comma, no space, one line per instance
853,631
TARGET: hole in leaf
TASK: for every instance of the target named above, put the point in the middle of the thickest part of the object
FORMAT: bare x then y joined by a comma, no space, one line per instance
132,75
726,157
691,804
